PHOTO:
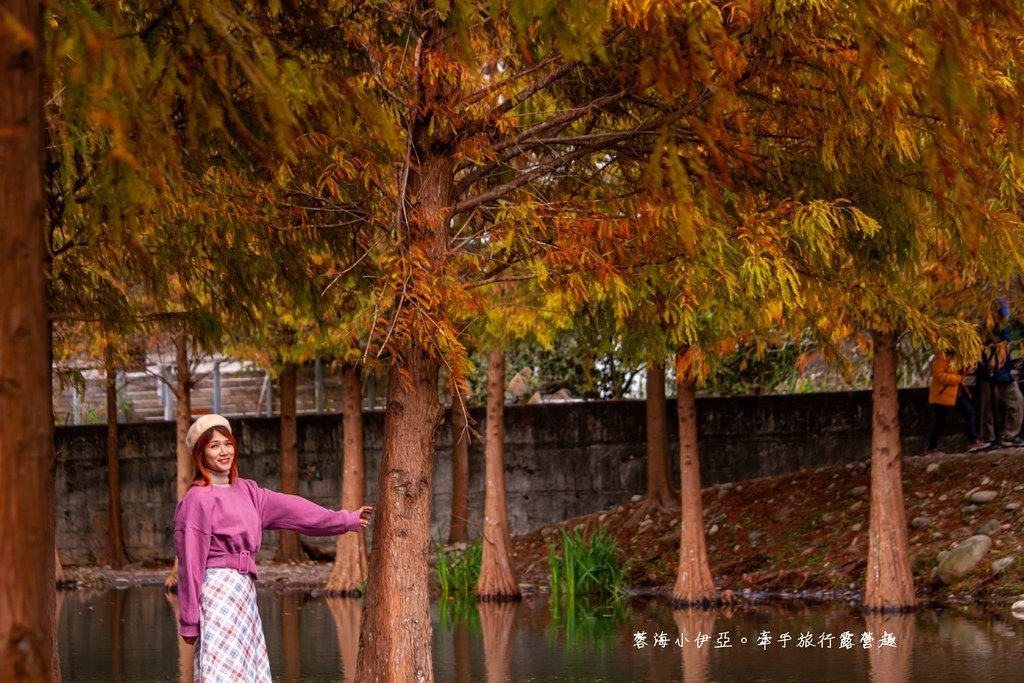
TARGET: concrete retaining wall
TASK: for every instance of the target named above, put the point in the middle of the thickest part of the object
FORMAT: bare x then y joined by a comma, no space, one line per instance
562,460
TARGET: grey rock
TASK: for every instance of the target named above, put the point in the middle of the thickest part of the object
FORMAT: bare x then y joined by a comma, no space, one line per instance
828,517
963,558
920,522
959,533
858,491
1010,507
990,527
713,530
998,566
981,497
932,468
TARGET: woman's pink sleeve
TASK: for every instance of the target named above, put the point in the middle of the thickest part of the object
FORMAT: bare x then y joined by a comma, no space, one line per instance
192,547
295,513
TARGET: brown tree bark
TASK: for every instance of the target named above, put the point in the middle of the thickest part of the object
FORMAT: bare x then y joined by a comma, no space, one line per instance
890,583
458,526
117,556
396,632
182,421
349,570
694,585
289,548
396,629
497,580
27,596
660,494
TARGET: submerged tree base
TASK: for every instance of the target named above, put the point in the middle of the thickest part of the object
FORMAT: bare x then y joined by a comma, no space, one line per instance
500,597
344,593
706,603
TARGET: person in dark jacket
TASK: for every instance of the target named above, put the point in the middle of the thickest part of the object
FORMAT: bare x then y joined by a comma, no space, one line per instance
997,384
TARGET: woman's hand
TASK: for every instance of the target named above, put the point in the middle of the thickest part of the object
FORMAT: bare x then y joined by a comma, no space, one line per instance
364,516
191,640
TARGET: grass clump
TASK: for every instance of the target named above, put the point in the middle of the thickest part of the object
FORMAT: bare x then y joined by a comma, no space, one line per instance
586,565
458,571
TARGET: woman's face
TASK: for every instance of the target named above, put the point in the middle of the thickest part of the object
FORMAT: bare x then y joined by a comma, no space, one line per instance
218,454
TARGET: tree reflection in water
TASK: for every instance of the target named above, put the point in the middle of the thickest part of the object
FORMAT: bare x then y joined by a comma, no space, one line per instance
692,624
348,618
185,651
291,635
891,664
497,624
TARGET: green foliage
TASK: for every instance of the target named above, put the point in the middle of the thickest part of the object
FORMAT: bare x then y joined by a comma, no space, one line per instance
457,571
586,565
587,621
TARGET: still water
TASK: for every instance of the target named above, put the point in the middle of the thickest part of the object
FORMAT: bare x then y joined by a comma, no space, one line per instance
128,635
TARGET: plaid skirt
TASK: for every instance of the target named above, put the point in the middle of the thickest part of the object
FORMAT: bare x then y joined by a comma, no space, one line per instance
231,647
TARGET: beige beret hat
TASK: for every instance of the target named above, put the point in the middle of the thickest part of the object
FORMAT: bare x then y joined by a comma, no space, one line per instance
200,426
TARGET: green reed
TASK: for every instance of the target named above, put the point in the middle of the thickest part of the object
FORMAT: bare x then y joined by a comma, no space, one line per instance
586,565
457,571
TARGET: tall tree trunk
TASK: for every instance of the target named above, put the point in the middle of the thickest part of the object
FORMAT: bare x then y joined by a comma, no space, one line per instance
289,548
497,581
890,583
182,421
396,633
27,596
660,494
458,526
349,570
116,554
694,585
396,629
182,410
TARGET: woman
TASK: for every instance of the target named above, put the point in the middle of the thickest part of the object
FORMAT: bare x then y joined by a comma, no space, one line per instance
218,528
946,391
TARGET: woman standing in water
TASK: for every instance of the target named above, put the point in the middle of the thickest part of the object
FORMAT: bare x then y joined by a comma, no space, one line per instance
218,529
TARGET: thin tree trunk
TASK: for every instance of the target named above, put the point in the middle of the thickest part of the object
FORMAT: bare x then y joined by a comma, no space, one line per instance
289,548
182,410
349,570
116,554
890,583
497,581
694,585
182,421
458,527
396,629
27,596
660,495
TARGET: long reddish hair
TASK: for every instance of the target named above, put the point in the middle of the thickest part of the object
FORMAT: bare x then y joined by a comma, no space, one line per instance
201,476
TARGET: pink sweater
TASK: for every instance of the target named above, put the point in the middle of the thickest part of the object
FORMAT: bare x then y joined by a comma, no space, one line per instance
221,526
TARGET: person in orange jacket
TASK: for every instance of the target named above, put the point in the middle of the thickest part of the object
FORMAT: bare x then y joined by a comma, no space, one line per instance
947,391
